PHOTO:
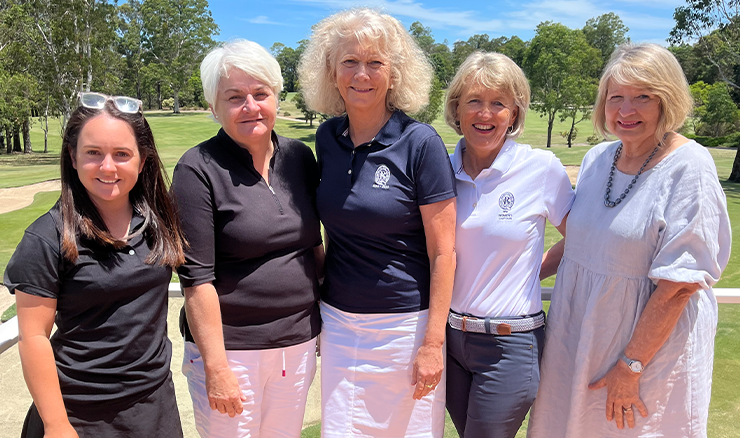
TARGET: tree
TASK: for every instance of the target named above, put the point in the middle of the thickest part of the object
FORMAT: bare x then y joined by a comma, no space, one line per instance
432,110
73,47
579,94
557,56
288,58
605,33
178,34
716,25
720,113
300,102
423,36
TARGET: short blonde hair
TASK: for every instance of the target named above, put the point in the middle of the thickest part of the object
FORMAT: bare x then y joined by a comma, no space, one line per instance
652,67
411,72
240,54
490,70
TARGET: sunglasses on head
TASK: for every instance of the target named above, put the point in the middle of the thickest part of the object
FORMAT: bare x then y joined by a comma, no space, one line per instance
124,104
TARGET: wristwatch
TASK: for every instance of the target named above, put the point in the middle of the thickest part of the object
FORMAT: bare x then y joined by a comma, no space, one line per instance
634,365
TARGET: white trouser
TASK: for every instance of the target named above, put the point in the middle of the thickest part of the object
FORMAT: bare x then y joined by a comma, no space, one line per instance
275,383
366,372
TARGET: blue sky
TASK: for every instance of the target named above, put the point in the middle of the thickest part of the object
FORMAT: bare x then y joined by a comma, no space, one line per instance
288,21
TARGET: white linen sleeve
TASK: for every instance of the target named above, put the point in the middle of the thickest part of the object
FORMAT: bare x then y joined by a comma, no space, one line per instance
558,192
695,240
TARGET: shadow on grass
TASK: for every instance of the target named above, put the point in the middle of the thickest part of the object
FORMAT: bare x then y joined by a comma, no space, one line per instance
732,189
32,159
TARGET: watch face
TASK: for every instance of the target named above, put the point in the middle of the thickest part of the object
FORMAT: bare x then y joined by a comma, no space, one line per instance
636,366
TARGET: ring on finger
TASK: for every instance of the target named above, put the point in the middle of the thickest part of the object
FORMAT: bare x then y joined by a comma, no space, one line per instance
430,385
625,410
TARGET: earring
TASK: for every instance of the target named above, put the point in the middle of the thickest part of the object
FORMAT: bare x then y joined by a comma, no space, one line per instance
510,129
457,123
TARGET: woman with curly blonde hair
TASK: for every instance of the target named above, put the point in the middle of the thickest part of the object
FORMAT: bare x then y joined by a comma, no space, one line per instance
387,201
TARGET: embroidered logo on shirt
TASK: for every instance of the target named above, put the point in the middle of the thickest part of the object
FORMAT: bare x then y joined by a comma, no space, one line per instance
382,175
506,202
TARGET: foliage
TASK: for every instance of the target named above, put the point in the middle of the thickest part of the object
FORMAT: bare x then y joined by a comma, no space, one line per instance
177,35
308,114
605,33
288,58
558,59
432,110
715,112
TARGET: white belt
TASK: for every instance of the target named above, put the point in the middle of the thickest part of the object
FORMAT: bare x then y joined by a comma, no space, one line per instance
495,326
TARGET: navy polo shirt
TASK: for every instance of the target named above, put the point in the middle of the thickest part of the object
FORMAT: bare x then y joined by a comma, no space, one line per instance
368,200
111,342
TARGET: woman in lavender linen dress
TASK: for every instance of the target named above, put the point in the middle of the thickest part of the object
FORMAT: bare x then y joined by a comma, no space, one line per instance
631,328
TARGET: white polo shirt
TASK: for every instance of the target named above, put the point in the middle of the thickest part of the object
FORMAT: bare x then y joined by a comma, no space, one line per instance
500,231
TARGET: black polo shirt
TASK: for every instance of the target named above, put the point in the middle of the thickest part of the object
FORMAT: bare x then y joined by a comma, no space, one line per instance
368,201
254,242
111,341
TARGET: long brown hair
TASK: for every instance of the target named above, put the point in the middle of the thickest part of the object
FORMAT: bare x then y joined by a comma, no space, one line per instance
149,197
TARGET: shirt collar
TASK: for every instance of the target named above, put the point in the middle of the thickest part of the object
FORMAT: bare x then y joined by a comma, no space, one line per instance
388,134
241,152
502,163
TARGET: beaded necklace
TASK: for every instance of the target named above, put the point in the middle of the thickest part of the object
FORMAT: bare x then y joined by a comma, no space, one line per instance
609,203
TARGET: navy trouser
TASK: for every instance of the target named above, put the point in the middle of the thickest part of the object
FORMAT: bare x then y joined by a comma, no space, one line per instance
492,380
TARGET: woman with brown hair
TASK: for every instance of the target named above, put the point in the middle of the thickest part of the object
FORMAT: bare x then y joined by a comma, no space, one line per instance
98,265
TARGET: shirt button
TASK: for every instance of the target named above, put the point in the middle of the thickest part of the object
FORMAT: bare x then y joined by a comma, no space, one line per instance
475,204
349,172
131,252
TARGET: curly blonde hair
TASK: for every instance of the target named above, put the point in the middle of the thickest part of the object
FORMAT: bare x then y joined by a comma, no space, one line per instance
494,71
652,67
411,72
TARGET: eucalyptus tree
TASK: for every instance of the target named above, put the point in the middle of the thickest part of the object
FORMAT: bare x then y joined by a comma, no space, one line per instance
177,35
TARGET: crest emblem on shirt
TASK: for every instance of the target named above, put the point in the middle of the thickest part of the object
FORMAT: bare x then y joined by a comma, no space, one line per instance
382,176
506,202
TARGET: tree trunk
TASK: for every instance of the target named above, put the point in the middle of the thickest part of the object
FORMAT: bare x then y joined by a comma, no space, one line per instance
550,122
17,139
26,131
159,96
2,139
8,140
176,106
735,174
46,125
572,127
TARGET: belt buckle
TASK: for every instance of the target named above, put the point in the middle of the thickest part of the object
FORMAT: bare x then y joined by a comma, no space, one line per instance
464,323
503,329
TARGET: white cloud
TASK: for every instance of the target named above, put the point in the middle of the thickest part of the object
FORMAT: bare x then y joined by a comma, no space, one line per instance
262,19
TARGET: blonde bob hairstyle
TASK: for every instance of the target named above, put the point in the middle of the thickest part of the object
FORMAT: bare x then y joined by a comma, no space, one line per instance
494,71
654,68
240,54
411,72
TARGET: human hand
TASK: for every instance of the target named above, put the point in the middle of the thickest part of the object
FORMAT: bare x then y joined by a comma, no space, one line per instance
428,368
223,391
622,391
61,430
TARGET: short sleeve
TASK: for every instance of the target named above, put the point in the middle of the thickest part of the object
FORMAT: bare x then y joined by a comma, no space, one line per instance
435,180
35,267
192,194
694,245
559,195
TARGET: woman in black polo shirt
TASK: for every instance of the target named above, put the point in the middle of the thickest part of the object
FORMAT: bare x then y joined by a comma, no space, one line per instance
387,202
247,202
98,265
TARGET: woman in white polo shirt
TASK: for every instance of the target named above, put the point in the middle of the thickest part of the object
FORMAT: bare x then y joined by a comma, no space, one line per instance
506,191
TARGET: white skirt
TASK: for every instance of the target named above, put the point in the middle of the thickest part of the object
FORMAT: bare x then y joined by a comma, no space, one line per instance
366,370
